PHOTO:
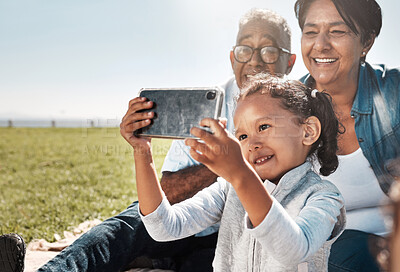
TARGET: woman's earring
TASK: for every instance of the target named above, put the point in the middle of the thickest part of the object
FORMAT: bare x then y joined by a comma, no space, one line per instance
363,55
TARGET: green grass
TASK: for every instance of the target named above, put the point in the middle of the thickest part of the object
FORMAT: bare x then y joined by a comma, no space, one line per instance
52,179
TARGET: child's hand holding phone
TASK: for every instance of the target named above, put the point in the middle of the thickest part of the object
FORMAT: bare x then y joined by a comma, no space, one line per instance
134,120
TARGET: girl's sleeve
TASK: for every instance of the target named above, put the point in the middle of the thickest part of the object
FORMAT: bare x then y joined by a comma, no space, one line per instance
188,217
291,240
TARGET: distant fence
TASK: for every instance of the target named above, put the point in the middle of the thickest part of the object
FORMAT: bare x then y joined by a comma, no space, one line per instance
70,123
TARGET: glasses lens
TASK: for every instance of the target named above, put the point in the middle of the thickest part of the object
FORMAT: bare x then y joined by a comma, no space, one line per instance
243,53
269,54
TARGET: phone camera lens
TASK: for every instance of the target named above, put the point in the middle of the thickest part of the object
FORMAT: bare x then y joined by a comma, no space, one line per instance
211,95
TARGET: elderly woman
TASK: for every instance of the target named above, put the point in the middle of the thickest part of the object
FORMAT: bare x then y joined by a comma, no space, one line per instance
336,38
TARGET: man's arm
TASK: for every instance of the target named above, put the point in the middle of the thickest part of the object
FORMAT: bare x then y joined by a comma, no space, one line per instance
185,183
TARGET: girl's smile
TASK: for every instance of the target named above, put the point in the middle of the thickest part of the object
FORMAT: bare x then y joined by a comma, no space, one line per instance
263,159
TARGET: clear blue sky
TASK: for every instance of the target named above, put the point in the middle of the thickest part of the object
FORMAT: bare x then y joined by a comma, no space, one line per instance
87,58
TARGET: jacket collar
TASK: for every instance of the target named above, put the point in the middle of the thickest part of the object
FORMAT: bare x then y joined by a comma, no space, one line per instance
291,179
363,102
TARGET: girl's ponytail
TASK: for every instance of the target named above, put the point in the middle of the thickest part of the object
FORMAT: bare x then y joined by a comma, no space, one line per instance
326,146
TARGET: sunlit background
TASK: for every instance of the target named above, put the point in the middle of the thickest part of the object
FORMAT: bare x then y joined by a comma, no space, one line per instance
85,59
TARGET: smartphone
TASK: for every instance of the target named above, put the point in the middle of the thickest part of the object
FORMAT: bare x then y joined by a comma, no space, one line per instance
177,110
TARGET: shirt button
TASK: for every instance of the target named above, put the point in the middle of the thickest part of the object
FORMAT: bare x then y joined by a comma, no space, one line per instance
353,116
360,140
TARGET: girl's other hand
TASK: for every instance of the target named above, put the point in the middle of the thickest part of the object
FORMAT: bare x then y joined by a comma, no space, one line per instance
219,151
134,120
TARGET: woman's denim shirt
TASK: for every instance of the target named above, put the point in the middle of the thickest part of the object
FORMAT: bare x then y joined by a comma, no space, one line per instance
377,117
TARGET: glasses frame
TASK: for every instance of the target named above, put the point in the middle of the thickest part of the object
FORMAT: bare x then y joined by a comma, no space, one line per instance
281,51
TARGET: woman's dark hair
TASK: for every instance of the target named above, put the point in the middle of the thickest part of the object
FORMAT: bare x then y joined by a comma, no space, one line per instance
298,99
363,17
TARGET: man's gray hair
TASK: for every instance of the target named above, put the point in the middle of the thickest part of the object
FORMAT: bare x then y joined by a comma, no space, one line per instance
269,17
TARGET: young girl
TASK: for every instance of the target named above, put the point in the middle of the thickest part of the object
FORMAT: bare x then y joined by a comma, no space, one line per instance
276,214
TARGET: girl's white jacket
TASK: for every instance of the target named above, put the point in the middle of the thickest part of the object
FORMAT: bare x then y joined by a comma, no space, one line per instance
306,217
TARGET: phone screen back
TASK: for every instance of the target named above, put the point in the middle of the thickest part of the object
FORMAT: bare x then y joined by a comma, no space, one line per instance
178,110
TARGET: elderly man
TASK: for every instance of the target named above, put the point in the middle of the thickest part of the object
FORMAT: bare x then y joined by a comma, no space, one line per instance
262,45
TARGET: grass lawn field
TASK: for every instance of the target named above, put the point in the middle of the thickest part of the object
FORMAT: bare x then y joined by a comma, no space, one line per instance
52,179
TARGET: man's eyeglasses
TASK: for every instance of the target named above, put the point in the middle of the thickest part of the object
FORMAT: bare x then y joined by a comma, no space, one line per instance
268,54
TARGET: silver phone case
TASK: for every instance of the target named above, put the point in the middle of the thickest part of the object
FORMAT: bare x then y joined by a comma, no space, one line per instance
177,110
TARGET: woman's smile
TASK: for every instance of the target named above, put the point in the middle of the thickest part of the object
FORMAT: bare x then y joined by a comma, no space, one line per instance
325,60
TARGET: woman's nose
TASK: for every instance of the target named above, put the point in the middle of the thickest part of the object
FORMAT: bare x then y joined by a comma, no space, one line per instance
322,42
